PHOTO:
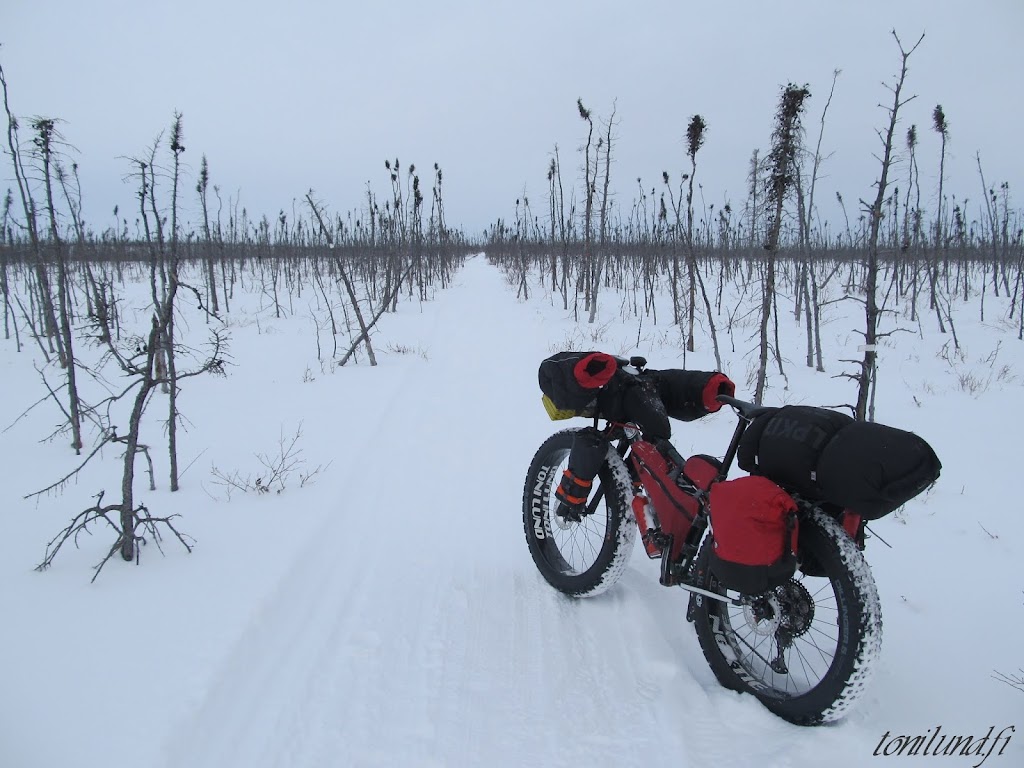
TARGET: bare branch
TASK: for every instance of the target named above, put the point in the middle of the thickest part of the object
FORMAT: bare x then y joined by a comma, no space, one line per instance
67,478
1013,680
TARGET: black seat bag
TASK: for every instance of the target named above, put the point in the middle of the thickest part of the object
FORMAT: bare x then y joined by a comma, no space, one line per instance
870,469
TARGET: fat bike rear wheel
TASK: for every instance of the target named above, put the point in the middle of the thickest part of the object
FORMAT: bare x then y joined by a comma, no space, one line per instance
806,649
584,558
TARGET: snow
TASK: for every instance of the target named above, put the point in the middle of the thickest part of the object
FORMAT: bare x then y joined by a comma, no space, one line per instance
389,613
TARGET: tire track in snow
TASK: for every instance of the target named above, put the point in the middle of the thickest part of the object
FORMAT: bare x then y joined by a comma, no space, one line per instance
320,621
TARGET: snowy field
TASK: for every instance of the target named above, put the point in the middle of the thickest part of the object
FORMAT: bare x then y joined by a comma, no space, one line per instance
389,614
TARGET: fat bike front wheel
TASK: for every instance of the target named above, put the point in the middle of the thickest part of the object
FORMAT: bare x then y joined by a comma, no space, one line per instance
584,558
806,649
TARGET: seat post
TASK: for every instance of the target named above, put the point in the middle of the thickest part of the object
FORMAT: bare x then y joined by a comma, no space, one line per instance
734,444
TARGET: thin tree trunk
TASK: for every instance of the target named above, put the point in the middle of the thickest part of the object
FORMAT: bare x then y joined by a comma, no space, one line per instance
866,379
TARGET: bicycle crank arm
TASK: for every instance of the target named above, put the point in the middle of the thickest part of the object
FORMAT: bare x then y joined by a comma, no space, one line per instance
708,593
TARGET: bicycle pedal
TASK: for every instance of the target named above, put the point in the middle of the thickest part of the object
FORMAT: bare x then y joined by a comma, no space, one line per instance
654,543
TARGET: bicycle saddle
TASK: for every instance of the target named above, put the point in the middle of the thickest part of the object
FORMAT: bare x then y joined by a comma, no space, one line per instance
746,410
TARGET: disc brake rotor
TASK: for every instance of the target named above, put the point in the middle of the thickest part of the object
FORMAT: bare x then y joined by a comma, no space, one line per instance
784,614
562,523
763,614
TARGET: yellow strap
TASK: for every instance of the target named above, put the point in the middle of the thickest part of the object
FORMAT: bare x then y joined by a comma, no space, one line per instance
554,412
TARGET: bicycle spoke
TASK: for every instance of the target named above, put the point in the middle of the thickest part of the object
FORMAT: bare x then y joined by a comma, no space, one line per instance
755,633
577,544
825,635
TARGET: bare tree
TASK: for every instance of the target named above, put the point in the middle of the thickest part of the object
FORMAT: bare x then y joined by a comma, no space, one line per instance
754,177
48,316
694,141
364,329
782,168
5,288
695,134
46,136
172,374
588,211
603,226
811,285
44,152
912,218
201,189
867,376
139,358
941,126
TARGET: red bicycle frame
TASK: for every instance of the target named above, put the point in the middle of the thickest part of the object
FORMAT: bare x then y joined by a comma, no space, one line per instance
670,493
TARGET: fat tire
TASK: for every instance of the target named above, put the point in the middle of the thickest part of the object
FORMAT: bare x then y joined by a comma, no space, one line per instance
823,542
615,511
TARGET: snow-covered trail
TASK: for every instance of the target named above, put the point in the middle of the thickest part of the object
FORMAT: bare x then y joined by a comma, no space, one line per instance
412,627
391,615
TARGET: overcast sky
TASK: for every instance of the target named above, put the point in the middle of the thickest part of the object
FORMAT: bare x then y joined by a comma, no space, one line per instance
284,97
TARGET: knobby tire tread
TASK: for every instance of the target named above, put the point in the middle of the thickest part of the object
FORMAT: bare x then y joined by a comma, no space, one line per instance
617,546
849,675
